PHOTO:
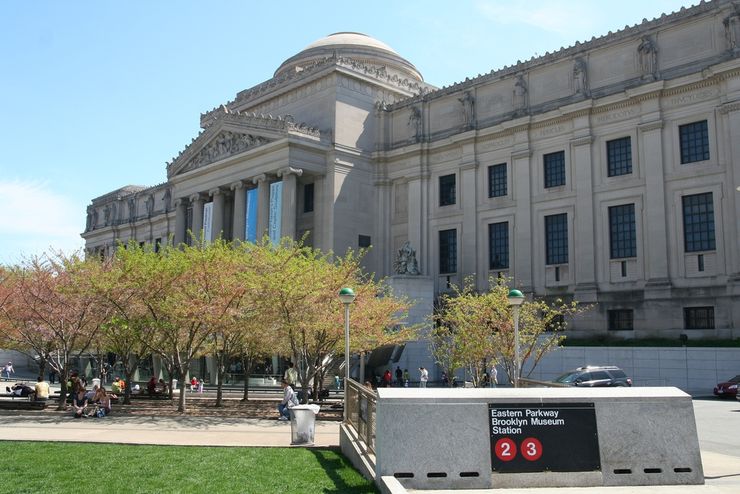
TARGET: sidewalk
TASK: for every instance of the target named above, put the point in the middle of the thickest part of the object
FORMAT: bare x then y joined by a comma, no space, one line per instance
188,430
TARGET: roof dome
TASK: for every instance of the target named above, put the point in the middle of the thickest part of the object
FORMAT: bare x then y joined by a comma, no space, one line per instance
356,46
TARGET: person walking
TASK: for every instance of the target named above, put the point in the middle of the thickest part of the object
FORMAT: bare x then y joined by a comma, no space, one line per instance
399,376
494,376
387,378
8,370
406,378
423,377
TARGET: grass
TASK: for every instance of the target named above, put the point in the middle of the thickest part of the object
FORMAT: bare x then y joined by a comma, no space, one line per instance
46,467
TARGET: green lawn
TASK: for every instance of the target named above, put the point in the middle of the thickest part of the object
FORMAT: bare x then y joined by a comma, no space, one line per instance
35,467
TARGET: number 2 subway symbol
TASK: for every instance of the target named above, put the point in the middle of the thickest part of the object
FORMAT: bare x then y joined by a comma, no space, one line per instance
505,449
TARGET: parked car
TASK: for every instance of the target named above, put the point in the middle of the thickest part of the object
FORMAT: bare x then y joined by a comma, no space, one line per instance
727,388
592,376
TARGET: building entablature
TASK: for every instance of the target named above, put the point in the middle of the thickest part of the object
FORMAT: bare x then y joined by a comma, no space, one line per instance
290,81
656,52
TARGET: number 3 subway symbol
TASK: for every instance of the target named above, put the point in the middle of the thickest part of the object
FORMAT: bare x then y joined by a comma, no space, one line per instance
505,449
531,449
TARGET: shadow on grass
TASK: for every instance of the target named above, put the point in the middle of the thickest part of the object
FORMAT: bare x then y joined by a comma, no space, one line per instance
332,465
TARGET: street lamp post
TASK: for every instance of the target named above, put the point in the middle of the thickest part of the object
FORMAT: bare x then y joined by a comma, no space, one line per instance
346,296
515,300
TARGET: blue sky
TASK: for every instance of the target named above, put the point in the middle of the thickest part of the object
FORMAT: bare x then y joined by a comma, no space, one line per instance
96,95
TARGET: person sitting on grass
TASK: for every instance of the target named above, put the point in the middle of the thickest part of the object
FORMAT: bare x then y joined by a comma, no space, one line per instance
116,386
162,387
151,386
289,400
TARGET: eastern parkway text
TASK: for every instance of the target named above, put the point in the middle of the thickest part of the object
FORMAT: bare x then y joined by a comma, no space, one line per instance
508,421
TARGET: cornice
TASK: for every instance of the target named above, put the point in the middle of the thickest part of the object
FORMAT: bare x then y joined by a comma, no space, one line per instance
644,28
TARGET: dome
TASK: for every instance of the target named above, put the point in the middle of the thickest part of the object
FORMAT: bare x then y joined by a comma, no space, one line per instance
356,46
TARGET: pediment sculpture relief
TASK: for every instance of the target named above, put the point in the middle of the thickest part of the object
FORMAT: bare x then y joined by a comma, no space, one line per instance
224,144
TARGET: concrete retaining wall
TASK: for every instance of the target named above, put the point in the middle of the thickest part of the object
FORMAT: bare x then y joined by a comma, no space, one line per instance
442,438
694,370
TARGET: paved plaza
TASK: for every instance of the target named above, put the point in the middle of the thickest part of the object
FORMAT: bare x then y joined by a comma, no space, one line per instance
718,423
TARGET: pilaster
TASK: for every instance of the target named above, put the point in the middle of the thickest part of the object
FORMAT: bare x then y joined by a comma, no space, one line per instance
583,224
180,218
523,234
469,238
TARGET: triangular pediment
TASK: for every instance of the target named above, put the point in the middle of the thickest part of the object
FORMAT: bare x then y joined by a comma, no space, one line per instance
224,144
231,134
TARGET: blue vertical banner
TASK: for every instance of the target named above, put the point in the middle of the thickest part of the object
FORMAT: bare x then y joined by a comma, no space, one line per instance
208,221
250,228
276,211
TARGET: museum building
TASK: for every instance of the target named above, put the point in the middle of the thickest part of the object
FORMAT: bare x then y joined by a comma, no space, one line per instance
608,172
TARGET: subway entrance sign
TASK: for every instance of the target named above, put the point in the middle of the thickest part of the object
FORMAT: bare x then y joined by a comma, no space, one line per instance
557,437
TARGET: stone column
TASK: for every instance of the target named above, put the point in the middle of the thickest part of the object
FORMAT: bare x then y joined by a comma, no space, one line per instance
583,239
180,218
263,205
656,258
197,203
217,223
522,231
240,210
290,197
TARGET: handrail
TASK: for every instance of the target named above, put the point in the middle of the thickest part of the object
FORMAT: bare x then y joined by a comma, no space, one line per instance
361,403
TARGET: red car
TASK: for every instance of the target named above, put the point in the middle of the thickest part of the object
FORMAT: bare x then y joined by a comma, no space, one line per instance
728,388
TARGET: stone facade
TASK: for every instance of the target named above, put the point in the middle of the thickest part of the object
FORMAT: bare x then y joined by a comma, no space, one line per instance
609,171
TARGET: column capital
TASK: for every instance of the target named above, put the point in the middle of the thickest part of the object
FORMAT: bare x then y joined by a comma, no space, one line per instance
259,178
237,185
180,201
215,191
195,198
288,170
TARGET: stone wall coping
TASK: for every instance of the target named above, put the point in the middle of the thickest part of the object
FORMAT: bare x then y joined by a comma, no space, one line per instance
527,394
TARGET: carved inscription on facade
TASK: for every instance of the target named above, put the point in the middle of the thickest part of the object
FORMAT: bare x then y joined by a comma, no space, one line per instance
683,99
620,114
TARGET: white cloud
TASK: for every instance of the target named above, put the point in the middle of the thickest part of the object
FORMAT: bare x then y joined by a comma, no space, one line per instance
36,219
558,16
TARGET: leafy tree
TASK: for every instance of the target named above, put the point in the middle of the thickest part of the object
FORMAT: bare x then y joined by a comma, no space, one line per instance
300,287
473,327
50,314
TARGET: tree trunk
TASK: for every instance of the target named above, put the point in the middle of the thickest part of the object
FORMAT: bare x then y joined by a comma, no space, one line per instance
247,366
42,367
220,373
183,390
128,372
62,405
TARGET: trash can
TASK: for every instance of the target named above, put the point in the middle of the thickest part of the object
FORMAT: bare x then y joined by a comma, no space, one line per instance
303,424
96,382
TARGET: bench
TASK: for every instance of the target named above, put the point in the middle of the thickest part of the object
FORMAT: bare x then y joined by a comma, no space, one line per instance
22,405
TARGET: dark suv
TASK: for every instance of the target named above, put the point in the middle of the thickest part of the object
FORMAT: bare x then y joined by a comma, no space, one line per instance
592,376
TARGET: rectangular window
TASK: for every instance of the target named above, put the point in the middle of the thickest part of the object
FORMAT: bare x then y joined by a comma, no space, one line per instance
364,241
498,245
698,222
554,169
622,236
621,320
698,317
447,190
448,251
619,156
694,138
556,238
497,180
307,198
